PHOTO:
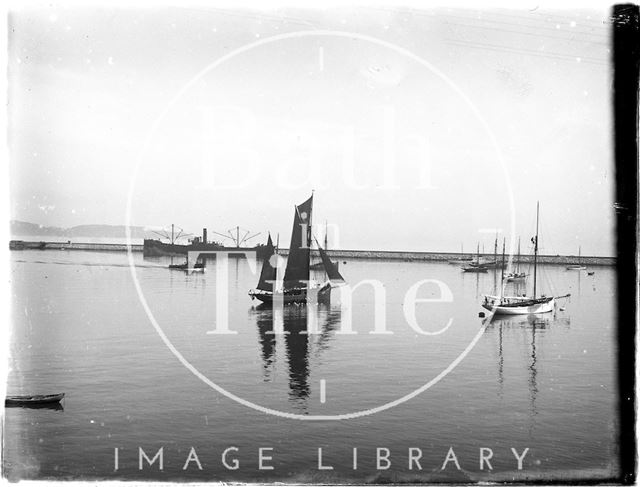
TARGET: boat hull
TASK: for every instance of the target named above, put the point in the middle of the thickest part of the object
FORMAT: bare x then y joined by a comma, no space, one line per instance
298,296
33,400
199,267
474,269
515,277
493,265
156,248
576,268
526,306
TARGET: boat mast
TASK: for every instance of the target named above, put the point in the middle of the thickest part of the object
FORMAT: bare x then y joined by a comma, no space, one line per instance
535,250
309,230
326,235
478,254
172,240
502,266
495,250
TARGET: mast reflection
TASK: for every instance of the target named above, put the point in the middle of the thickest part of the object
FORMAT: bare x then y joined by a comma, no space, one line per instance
500,360
532,326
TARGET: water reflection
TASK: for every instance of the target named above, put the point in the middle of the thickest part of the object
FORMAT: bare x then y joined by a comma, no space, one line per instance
500,360
304,332
52,406
464,276
330,317
531,326
297,350
264,322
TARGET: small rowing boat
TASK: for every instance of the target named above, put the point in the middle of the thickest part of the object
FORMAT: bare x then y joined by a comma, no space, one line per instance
198,266
33,400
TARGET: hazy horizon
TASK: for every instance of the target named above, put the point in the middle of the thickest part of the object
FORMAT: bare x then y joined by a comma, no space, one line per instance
365,105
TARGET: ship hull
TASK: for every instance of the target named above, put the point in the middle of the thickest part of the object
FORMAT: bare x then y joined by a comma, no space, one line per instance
156,248
519,306
297,296
474,269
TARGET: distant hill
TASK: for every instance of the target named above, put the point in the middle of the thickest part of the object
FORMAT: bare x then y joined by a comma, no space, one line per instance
26,229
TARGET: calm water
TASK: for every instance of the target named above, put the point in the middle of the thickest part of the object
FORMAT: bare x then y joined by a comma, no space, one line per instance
546,383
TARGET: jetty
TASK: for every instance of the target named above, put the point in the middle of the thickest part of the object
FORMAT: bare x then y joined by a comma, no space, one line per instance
334,254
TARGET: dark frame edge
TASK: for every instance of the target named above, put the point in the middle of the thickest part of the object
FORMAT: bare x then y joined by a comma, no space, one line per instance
626,56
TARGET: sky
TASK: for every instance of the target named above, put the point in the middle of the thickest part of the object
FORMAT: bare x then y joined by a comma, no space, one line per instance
417,129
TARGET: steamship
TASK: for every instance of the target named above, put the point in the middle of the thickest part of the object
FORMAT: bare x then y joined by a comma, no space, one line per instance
156,247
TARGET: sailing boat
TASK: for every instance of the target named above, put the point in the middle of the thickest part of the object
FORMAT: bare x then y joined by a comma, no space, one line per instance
475,266
516,275
523,305
296,282
578,266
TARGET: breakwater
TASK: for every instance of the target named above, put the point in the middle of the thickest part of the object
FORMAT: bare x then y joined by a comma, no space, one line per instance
337,254
99,247
452,256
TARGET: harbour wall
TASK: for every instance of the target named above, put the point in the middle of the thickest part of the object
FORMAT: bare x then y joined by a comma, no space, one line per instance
449,256
338,254
100,247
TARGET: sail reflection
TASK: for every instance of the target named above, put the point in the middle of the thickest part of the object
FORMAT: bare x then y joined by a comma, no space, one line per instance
331,318
297,350
264,322
303,333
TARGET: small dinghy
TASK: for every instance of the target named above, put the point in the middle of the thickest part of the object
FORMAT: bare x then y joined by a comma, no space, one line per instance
35,400
198,266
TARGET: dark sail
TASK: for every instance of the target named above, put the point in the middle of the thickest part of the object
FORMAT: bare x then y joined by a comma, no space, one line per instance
330,268
268,269
297,271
